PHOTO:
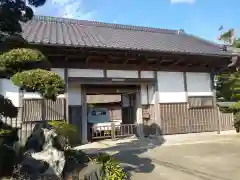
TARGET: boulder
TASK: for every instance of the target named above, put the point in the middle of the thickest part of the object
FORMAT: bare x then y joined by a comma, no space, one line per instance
47,154
43,155
90,171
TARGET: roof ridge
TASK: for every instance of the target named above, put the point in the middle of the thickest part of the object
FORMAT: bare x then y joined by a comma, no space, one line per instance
105,24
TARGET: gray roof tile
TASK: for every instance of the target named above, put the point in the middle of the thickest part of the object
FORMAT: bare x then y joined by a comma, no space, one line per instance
80,33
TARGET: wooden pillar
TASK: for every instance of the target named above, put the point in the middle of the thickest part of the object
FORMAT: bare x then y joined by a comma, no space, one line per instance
66,105
157,114
84,115
216,110
139,119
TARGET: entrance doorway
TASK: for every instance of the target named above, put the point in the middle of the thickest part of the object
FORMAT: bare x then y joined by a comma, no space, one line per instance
111,110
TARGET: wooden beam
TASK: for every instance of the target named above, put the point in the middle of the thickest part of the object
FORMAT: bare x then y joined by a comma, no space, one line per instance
153,67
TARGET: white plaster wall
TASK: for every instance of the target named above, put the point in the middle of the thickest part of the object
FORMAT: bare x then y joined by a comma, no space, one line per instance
147,74
59,71
151,94
85,73
9,91
74,95
31,95
144,94
122,74
171,87
199,84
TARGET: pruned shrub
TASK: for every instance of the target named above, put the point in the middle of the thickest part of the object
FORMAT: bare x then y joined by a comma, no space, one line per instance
110,168
49,84
8,137
69,131
17,60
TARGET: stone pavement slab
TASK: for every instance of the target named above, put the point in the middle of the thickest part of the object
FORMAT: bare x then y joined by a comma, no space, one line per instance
209,161
205,156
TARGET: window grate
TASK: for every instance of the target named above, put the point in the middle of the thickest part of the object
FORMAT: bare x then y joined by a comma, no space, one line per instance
200,101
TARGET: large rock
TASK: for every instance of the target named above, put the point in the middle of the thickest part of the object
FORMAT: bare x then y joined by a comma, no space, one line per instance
89,171
43,156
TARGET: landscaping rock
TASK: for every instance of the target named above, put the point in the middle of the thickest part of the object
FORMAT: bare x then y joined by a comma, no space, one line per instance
43,155
48,156
91,171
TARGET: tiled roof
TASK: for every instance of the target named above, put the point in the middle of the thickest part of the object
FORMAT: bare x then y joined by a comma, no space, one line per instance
79,33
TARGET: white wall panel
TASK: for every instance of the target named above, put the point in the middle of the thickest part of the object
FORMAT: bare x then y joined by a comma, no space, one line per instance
74,95
122,74
31,95
85,73
151,94
59,71
10,91
199,84
147,74
144,94
171,87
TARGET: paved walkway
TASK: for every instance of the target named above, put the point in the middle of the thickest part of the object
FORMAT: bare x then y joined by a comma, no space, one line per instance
205,161
205,156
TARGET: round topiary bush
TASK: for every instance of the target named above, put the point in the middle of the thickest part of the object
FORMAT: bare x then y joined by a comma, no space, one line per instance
20,59
49,84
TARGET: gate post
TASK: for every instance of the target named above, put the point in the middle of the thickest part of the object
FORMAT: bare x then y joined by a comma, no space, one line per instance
139,119
216,116
113,131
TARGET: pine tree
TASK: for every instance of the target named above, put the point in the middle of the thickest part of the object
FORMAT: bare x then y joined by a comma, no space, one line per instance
26,68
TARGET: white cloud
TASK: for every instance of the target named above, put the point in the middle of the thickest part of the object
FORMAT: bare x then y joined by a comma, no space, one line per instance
182,1
75,10
66,8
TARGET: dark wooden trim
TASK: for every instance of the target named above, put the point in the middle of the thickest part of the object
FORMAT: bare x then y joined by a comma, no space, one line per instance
105,73
158,117
139,74
66,94
114,51
153,67
130,81
212,75
185,84
212,81
147,89
185,81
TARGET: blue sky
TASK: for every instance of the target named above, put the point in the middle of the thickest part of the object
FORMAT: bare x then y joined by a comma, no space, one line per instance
198,17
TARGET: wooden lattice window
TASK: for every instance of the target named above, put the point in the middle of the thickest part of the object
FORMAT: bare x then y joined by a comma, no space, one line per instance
200,101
